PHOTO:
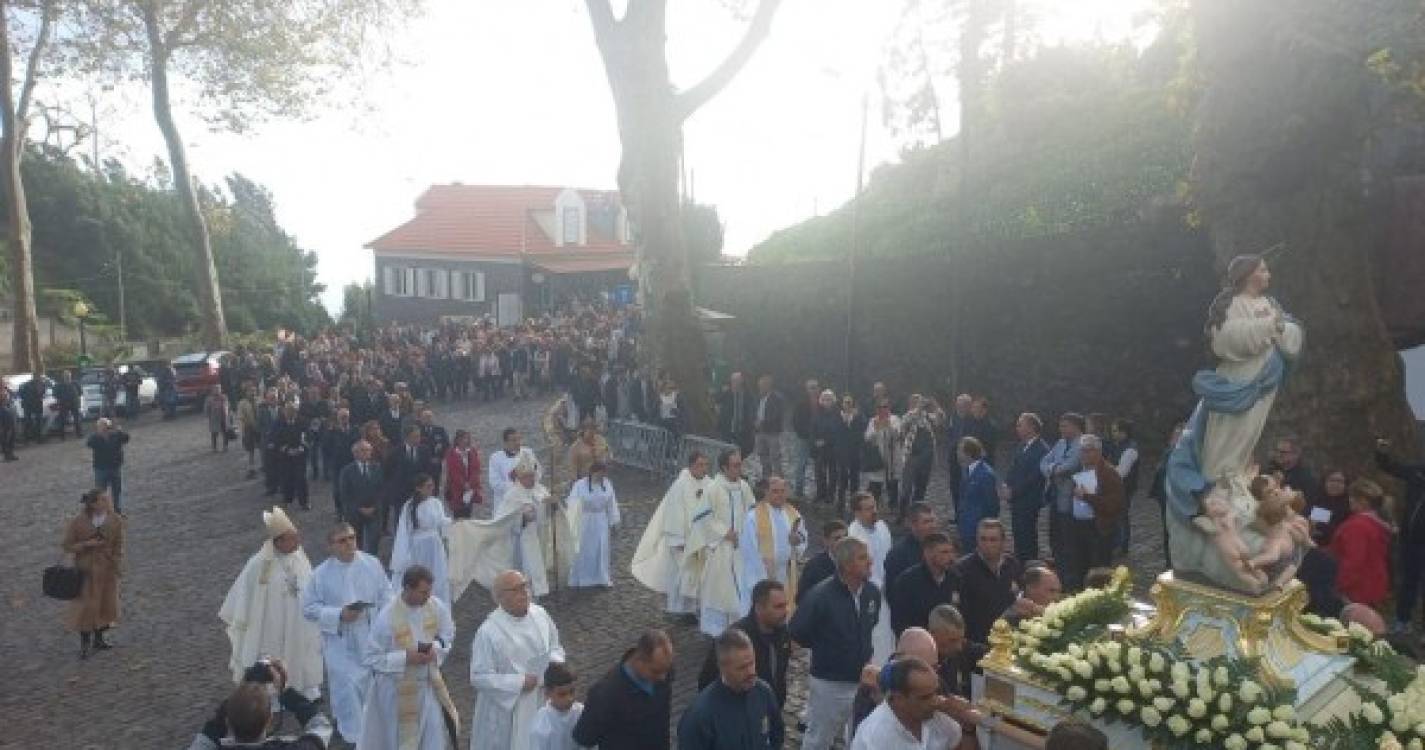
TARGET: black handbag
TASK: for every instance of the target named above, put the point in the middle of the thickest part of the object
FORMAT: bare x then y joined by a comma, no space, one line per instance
62,582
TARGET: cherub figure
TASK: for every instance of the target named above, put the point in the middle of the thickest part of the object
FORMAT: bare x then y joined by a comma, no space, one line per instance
1217,514
1283,529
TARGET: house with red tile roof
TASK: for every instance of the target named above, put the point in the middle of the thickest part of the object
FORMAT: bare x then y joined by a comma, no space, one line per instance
501,250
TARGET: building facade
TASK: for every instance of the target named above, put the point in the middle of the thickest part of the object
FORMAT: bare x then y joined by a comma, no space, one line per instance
504,251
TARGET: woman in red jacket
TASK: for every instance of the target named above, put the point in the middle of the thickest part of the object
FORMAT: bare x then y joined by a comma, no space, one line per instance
462,476
1361,545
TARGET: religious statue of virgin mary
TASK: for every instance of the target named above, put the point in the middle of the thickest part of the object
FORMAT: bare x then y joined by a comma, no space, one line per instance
1214,529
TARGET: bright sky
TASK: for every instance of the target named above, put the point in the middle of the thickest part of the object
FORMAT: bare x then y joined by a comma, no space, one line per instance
503,92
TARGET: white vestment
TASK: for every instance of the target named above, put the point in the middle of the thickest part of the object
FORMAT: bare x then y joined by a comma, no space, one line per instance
387,660
784,555
333,586
419,541
554,730
500,466
713,566
657,563
505,649
878,542
263,612
598,514
541,525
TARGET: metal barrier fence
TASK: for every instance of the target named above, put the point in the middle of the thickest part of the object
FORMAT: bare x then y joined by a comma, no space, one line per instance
654,449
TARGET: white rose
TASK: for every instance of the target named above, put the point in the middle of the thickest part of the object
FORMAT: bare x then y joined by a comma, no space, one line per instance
1083,669
1064,674
1396,703
1372,713
1137,673
1255,735
1121,686
1389,742
1181,689
1220,723
1249,691
1102,686
1075,650
1278,730
1294,745
1178,725
1075,693
1125,706
1094,659
1135,655
1114,665
1224,702
1150,716
1197,708
1259,715
1098,706
1400,723
1156,663
1284,712
1420,729
1220,677
1179,671
1163,703
1145,688
1235,742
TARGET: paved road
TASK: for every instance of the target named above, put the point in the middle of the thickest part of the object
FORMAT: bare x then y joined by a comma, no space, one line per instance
193,520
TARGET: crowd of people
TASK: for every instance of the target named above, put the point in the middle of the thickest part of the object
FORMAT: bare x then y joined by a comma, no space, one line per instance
895,608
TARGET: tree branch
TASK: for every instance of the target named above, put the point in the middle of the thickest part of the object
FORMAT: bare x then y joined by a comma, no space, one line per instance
689,101
32,68
602,16
186,22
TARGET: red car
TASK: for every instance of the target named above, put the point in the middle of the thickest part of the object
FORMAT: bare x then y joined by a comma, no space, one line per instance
197,374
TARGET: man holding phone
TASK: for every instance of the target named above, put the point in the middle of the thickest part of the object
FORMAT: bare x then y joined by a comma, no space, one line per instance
774,548
345,592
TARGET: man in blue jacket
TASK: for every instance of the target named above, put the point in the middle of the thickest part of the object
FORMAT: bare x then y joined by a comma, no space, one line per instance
980,488
835,621
738,711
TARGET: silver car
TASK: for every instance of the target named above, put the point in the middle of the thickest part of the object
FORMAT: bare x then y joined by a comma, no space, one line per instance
92,383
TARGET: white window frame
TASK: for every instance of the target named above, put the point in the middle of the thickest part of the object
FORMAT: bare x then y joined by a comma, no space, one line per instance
471,286
434,283
388,281
571,227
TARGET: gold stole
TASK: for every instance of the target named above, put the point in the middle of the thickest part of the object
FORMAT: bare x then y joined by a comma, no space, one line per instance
767,547
408,702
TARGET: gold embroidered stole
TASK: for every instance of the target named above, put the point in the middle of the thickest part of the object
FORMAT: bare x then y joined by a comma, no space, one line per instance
767,546
408,701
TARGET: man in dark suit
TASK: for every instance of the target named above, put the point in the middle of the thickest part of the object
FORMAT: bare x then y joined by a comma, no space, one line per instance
640,395
906,553
769,415
393,420
404,461
1026,486
925,585
436,442
766,627
734,414
289,445
337,440
359,487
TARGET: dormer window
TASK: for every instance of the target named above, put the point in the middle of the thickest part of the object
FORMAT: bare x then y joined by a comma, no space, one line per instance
571,225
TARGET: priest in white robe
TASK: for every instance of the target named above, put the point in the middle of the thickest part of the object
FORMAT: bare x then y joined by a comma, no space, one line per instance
502,463
420,538
877,537
409,707
597,507
511,650
263,609
713,566
657,563
346,593
775,543
543,528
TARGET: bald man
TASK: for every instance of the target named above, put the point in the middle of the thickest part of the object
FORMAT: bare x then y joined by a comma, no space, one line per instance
512,648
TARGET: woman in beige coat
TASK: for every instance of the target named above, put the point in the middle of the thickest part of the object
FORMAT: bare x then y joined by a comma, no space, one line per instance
96,539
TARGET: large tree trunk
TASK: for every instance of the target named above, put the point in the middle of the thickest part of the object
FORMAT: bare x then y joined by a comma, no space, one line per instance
27,354
214,328
1280,138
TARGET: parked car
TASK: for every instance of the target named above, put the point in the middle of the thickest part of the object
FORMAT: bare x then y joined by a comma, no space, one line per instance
51,424
92,379
197,374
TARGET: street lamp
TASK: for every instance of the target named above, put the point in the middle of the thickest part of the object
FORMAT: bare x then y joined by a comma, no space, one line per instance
81,312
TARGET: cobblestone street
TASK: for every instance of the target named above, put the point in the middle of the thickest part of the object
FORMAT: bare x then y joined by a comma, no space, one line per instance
193,521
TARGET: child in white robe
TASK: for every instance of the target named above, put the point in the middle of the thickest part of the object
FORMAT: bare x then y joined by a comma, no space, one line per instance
554,724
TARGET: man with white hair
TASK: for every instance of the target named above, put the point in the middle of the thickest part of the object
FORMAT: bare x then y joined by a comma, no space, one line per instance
540,517
1098,503
263,609
511,650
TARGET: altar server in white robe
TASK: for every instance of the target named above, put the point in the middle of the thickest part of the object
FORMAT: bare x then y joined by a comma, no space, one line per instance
593,498
346,593
877,538
420,537
542,525
263,609
512,649
555,722
409,707
657,563
774,543
502,463
713,563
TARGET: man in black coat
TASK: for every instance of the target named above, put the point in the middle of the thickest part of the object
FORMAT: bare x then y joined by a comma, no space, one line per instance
989,580
289,444
1026,485
957,656
404,460
67,396
360,487
393,420
906,553
337,440
820,567
436,442
766,628
629,708
769,414
926,585
734,413
736,710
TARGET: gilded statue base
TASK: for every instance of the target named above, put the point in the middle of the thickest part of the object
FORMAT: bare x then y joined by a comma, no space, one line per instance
1207,622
